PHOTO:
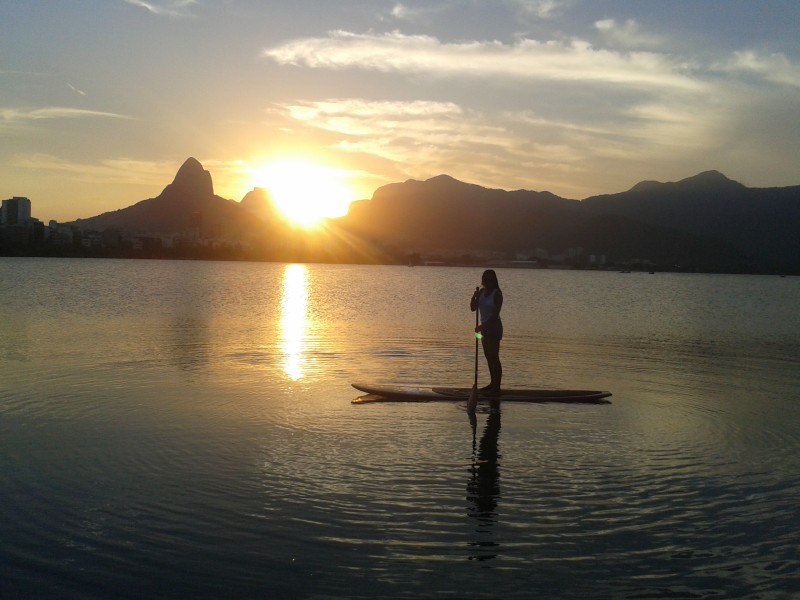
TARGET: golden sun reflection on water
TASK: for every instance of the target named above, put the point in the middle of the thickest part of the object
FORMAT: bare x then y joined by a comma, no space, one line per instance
294,321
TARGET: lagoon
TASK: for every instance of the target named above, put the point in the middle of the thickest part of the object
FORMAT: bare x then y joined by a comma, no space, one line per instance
184,429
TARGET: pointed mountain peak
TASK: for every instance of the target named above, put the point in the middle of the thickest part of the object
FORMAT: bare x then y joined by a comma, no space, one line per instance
259,202
446,182
704,180
443,178
644,186
709,179
257,195
192,179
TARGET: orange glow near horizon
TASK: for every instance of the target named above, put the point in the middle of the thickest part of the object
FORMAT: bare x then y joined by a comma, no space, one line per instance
305,192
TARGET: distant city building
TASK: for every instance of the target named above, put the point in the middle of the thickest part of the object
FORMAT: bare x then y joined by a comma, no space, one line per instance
61,235
15,211
17,227
597,260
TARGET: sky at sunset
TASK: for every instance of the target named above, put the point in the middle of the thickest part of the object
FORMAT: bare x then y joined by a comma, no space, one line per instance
101,101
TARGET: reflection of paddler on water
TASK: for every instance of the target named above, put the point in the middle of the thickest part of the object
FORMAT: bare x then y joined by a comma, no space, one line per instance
483,487
488,301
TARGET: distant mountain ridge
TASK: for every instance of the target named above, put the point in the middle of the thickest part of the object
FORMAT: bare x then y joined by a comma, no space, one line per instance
706,221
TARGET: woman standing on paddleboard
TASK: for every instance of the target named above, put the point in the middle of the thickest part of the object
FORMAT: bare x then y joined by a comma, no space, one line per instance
488,301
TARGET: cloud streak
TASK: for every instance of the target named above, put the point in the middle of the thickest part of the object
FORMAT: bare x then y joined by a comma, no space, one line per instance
626,35
531,60
542,9
774,68
76,90
171,8
403,12
422,11
527,59
11,116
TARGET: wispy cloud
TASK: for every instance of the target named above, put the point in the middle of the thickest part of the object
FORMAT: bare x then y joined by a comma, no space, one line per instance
526,59
530,59
427,13
404,12
357,116
774,68
168,8
542,9
112,171
76,90
12,116
626,35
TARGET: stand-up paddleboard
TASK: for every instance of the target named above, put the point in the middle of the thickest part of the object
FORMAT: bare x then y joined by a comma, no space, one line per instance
401,393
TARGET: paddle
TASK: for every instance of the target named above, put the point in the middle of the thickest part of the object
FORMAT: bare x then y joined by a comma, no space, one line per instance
472,401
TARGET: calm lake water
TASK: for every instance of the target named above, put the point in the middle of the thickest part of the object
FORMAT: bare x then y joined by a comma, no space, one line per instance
184,429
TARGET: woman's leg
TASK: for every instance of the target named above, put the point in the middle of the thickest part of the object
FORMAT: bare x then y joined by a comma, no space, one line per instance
491,350
498,368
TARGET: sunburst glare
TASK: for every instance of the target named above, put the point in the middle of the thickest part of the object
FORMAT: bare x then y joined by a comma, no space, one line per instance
305,192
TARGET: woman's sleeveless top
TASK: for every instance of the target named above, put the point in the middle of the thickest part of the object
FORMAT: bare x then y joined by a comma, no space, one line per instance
487,305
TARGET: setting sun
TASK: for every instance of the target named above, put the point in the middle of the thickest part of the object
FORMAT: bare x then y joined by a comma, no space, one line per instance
305,192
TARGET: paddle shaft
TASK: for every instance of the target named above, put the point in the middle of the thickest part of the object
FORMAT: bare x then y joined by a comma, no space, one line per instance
476,346
472,401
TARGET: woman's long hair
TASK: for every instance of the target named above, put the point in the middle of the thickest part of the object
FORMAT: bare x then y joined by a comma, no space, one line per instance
489,279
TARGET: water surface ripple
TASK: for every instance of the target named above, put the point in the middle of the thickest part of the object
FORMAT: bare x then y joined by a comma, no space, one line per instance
172,429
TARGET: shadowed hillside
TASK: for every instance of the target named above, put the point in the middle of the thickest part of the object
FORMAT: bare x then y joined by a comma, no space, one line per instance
446,215
762,224
695,223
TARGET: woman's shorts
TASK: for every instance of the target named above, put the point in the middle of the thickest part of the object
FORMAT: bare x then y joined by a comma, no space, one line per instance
493,330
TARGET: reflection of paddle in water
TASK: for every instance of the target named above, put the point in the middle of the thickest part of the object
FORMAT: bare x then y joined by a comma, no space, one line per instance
483,487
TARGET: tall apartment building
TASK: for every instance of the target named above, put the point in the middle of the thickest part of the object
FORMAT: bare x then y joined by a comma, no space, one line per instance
15,211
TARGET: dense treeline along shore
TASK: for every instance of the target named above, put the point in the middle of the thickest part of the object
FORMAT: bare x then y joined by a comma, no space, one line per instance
705,223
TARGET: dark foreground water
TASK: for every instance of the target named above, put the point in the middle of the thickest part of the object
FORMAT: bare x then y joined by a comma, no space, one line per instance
184,429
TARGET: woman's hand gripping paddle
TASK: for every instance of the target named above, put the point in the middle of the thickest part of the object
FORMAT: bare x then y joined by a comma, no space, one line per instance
472,401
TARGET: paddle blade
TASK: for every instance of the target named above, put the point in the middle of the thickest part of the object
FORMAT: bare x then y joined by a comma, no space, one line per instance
472,401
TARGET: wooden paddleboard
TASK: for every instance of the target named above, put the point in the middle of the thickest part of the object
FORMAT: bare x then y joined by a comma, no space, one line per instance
402,393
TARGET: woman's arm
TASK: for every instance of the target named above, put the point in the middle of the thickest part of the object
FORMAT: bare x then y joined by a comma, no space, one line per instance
498,303
473,303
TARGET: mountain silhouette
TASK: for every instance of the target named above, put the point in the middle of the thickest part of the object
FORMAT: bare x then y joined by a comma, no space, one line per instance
762,224
706,222
191,180
260,203
445,215
187,204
